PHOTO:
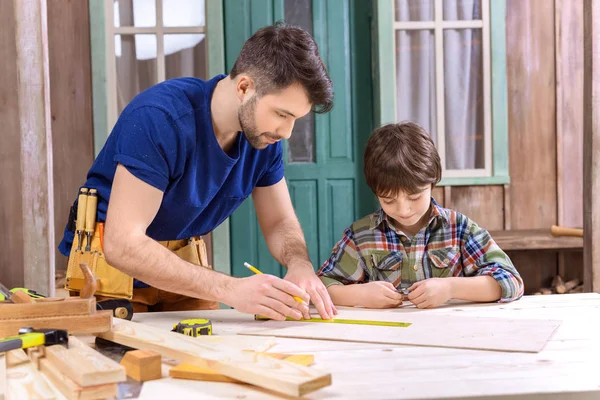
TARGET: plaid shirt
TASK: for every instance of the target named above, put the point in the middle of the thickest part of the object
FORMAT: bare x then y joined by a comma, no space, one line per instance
450,245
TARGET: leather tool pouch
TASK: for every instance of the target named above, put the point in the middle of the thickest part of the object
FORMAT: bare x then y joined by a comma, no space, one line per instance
111,281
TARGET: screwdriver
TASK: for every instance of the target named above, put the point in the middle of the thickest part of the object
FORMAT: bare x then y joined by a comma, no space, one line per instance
80,223
90,217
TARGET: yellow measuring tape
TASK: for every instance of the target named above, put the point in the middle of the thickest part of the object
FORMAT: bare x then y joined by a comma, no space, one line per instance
344,321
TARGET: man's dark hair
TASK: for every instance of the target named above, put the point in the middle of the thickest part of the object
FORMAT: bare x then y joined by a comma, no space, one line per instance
401,157
278,56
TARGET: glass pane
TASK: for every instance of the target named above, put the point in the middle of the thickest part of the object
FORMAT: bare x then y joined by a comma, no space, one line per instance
136,66
301,145
185,55
415,78
139,13
462,10
414,10
183,13
463,82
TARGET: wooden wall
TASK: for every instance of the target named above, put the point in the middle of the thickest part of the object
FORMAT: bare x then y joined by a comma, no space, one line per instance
11,234
545,74
71,125
71,106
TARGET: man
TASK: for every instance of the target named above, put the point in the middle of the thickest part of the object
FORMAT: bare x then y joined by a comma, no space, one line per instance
176,165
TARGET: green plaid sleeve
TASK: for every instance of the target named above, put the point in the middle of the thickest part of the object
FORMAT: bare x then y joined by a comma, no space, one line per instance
345,266
482,256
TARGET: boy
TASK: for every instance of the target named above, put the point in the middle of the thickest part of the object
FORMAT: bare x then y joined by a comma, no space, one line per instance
411,242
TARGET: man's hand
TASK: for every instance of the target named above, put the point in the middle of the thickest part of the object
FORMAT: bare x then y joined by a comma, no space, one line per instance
303,275
430,293
379,294
267,295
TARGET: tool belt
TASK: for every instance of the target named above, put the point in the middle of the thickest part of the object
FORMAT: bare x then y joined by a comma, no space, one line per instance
110,281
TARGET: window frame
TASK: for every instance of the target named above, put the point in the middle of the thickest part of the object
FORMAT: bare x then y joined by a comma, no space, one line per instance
495,96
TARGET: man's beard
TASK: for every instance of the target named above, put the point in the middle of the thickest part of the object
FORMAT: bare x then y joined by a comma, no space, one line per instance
247,119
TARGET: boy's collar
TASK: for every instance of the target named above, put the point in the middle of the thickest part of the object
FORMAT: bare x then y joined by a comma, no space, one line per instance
437,212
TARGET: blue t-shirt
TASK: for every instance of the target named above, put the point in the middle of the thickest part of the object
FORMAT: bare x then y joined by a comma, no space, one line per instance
165,137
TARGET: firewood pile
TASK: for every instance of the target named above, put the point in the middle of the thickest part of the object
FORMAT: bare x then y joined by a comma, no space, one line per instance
559,286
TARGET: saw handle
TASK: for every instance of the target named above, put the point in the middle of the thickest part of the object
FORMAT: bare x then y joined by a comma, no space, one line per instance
556,230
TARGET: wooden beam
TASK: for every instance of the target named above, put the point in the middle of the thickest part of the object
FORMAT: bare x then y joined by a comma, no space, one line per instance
73,391
266,372
84,365
142,365
75,306
188,371
534,239
77,324
36,145
23,381
591,146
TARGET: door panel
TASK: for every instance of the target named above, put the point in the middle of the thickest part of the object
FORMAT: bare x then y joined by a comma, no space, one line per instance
320,163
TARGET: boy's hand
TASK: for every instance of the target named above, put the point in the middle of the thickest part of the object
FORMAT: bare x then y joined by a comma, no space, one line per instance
379,295
430,293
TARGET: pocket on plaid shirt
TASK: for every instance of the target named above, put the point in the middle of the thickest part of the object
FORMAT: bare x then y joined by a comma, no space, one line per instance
387,266
444,262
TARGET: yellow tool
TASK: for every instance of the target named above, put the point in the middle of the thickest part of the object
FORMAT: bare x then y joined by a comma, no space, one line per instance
344,321
80,222
29,337
256,271
90,217
193,327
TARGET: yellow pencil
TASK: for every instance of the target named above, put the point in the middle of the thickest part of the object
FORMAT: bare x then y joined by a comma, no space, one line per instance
256,271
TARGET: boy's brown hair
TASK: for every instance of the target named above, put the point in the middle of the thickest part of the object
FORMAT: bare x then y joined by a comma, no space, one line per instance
401,157
280,55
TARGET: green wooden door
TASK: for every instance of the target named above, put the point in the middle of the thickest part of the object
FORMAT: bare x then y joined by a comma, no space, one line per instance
323,159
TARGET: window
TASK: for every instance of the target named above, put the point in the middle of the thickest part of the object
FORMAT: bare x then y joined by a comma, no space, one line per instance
149,41
441,56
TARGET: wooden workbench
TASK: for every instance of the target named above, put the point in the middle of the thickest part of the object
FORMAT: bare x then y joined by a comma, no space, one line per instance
568,367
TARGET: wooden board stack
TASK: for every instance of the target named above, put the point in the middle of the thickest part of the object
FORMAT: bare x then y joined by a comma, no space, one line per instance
75,315
78,372
278,375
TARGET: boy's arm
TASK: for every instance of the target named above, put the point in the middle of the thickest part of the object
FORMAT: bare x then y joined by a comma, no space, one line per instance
343,270
489,267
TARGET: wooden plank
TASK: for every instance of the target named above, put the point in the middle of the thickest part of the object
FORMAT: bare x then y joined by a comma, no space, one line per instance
438,194
188,371
76,324
534,239
70,89
36,145
11,240
25,382
279,376
70,389
591,146
532,92
482,204
48,309
569,111
84,365
503,334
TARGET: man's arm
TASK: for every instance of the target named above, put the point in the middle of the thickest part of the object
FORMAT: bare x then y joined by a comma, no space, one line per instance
286,243
132,207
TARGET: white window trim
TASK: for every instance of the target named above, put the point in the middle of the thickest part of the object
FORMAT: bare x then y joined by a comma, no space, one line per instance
438,25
